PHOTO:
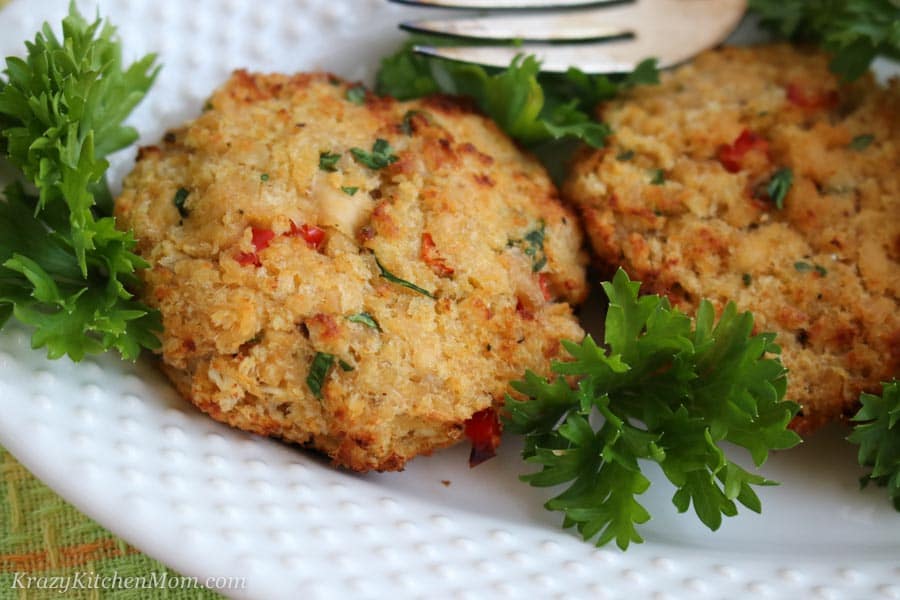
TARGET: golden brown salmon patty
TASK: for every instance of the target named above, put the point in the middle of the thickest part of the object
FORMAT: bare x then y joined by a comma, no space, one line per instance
686,199
350,272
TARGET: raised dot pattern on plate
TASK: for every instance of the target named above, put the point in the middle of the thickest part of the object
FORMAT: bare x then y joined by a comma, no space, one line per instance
211,501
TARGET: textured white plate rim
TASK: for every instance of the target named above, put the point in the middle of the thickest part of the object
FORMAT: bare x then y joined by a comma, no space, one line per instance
114,439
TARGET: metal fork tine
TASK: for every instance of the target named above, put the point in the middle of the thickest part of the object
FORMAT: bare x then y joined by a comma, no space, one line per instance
670,30
507,4
590,58
562,27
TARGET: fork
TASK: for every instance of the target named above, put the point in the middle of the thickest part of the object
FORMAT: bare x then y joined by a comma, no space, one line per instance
596,36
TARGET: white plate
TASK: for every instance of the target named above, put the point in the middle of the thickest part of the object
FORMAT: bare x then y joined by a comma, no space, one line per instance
115,440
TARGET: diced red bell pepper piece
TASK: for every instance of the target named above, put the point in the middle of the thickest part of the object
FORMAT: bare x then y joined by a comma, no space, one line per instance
544,282
483,430
261,239
732,155
245,259
432,258
811,100
312,235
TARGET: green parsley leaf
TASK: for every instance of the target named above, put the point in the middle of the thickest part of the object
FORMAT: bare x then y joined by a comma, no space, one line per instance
264,177
345,366
747,278
366,319
662,388
318,371
658,177
878,436
42,286
779,186
405,74
357,94
625,155
532,107
179,199
861,142
853,31
394,279
328,161
65,267
349,190
380,157
645,73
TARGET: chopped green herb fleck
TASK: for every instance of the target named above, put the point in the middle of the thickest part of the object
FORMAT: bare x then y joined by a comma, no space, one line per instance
328,161
407,126
345,366
804,267
861,142
394,279
747,279
658,177
625,155
318,371
357,94
264,177
179,200
535,237
381,155
532,244
535,249
779,186
349,190
365,319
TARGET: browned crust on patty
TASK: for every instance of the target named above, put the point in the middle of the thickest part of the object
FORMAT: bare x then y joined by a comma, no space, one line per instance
824,272
247,301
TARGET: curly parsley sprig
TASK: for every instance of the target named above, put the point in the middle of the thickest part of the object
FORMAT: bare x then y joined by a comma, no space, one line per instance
664,389
878,435
65,266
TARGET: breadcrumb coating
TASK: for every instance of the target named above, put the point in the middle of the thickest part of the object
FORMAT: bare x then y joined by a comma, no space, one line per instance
349,272
686,198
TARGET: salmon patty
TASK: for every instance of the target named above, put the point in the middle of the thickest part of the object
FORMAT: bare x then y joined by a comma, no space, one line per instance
348,272
689,198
